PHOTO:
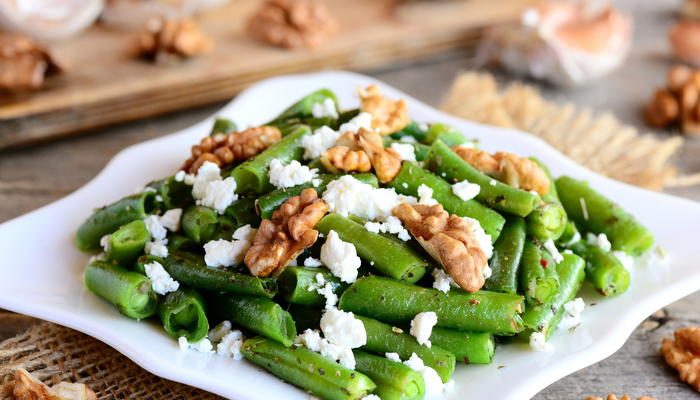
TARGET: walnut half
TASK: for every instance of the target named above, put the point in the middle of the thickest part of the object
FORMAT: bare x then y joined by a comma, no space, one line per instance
24,63
449,240
361,151
683,354
28,387
514,170
388,116
291,230
165,39
292,23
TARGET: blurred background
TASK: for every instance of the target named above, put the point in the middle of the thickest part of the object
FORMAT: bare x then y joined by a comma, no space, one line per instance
612,84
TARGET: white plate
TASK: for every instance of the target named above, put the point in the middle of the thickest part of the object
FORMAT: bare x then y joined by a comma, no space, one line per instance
41,271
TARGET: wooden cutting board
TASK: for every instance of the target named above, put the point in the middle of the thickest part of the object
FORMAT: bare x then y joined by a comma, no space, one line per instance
105,85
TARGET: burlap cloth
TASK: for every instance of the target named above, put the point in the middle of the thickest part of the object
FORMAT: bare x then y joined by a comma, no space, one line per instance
53,353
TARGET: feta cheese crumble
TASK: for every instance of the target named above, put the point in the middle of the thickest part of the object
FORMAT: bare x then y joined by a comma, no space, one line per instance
326,108
340,257
425,195
209,190
346,195
208,172
157,248
230,345
443,281
408,139
227,253
180,176
539,343
392,225
600,240
492,182
487,272
104,242
361,120
203,346
312,340
626,259
161,280
574,239
325,289
371,397
393,357
284,176
433,382
171,219
218,332
405,151
572,314
465,190
155,227
553,251
316,144
343,329
482,238
312,262
422,327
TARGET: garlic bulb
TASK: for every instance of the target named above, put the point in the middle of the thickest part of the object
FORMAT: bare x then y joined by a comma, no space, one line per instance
567,43
48,19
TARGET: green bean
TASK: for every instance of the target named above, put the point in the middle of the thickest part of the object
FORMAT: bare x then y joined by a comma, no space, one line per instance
182,313
570,235
444,162
419,149
398,302
305,317
543,318
538,276
603,269
297,285
108,219
383,338
174,194
394,380
258,314
412,176
223,125
595,213
505,261
445,133
199,223
127,242
270,202
140,264
413,129
130,292
548,220
190,270
470,347
252,175
303,108
308,370
241,212
180,242
391,258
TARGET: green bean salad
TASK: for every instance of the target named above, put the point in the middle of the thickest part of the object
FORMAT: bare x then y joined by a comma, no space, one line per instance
358,254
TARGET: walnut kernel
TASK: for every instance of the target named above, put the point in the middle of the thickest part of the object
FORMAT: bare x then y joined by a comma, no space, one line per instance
164,39
683,354
388,116
27,387
292,23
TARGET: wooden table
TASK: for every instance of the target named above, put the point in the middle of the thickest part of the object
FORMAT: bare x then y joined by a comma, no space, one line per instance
32,177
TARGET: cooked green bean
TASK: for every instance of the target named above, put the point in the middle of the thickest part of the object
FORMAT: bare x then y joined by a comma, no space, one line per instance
413,129
270,202
241,212
548,220
412,176
595,213
252,175
444,162
570,235
130,292
127,242
420,150
190,270
199,223
394,380
140,264
305,317
183,314
538,276
308,370
108,219
391,258
470,347
543,318
303,108
397,302
297,285
180,242
505,261
223,125
445,133
258,314
603,269
174,194
383,338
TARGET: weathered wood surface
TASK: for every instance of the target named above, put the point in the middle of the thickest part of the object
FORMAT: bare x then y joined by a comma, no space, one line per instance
32,177
105,84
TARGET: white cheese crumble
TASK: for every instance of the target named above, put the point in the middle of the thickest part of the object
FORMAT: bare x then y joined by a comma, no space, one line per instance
584,209
343,329
487,272
408,139
539,343
157,248
326,108
203,346
161,280
393,357
482,238
346,195
219,195
443,281
553,251
492,182
171,219
466,190
284,176
433,382
208,172
155,227
325,289
315,182
422,327
180,176
361,120
405,151
574,239
425,195
230,345
227,253
467,145
190,179
340,257
311,339
218,332
104,242
312,262
316,144
371,397
392,225
572,314
600,240
624,258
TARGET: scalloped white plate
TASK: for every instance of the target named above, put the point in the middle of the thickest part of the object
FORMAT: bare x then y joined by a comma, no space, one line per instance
41,271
